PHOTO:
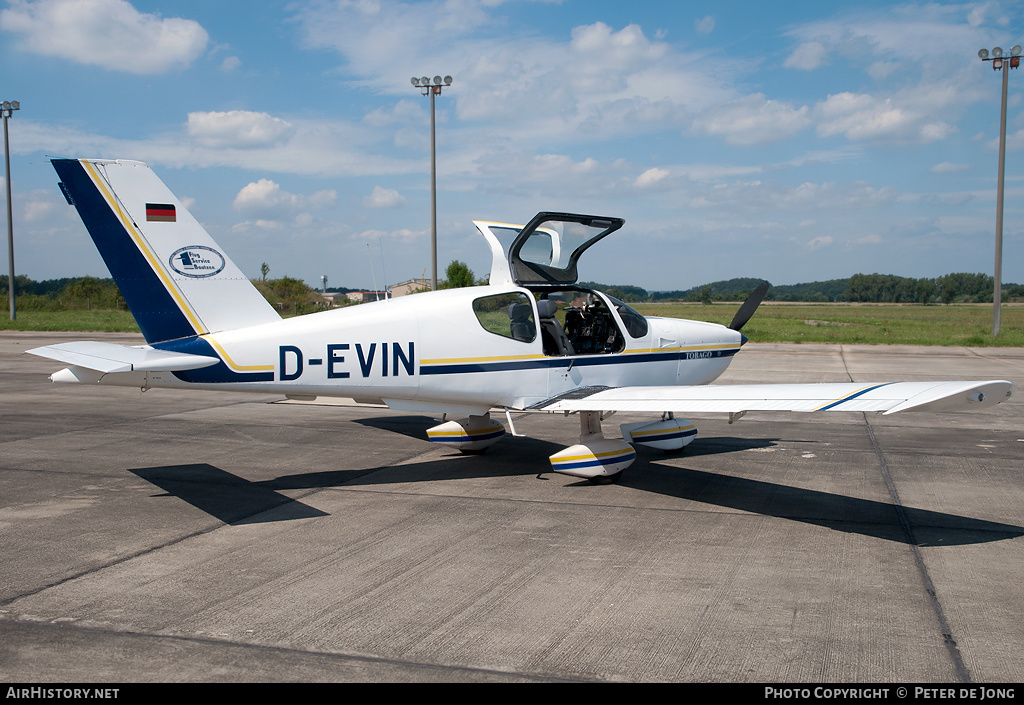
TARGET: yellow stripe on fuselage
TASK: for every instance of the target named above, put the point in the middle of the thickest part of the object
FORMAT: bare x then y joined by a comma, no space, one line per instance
683,348
496,358
231,363
518,358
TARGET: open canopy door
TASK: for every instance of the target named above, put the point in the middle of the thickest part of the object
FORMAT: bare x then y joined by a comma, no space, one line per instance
548,248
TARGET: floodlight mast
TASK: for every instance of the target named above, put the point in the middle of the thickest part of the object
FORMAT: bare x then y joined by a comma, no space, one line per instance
432,89
1004,64
8,107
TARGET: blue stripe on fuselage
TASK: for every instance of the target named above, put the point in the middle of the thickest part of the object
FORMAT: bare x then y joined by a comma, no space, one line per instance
214,374
581,361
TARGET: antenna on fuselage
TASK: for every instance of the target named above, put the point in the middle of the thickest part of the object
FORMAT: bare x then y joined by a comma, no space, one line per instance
383,270
369,254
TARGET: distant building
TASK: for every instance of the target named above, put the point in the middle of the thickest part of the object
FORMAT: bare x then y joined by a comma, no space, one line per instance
410,286
362,296
333,298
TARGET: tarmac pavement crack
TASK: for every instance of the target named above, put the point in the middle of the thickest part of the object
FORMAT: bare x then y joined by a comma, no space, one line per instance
109,564
1000,360
962,673
404,665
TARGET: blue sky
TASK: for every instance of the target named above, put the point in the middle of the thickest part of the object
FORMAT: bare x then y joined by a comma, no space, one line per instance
793,141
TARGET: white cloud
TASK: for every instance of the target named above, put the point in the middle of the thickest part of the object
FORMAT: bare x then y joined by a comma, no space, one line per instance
807,56
323,148
237,128
872,239
819,242
261,193
404,235
259,224
650,177
402,112
881,69
705,25
949,168
753,119
807,198
37,206
111,34
383,198
599,81
978,14
867,117
266,197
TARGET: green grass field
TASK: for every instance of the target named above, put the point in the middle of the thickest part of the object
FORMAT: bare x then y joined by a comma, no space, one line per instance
886,324
892,324
95,320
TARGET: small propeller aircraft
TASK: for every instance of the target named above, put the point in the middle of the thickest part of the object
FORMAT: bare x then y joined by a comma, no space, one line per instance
532,339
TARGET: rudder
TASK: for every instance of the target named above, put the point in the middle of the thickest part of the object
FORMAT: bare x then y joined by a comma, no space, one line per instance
176,280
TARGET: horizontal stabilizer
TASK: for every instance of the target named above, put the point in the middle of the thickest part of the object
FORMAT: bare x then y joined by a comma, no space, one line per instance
733,399
110,357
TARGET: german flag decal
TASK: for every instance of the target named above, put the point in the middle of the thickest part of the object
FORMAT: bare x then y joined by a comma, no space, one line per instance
160,212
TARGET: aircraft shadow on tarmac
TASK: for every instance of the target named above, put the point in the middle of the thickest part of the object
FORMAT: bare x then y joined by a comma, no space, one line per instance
236,501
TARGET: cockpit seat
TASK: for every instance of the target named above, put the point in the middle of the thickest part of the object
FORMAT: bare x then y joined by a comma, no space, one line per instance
522,326
555,341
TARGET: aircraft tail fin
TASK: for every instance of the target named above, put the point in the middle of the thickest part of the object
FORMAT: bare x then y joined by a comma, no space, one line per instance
176,280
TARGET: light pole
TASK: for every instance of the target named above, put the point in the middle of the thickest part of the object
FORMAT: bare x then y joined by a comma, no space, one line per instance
8,107
432,90
1004,64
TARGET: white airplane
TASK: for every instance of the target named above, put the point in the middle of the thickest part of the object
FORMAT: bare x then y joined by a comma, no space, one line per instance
529,340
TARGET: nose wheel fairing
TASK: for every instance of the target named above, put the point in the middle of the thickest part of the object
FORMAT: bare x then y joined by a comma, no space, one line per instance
472,434
669,434
594,457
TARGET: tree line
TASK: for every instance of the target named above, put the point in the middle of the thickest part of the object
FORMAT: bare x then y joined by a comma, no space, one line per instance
287,294
64,294
952,288
291,295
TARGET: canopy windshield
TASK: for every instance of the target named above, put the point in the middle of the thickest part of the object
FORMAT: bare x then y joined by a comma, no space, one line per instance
547,249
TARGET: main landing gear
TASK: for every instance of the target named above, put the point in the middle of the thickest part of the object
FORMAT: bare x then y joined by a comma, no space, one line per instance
601,460
472,435
596,458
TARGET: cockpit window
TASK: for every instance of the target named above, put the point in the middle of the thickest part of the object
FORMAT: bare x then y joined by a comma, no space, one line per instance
509,315
546,250
577,322
636,324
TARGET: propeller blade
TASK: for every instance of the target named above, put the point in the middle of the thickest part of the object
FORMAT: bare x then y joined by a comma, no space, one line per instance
749,306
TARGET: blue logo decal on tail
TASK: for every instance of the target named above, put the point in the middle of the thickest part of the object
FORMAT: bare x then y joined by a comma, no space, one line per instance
197,261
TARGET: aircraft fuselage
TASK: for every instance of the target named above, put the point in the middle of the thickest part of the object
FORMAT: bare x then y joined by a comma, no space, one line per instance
432,352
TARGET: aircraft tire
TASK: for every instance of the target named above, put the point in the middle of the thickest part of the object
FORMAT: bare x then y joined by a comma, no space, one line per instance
605,479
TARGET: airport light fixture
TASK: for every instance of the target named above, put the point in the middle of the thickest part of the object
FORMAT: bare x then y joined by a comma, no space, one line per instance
8,107
432,88
1004,64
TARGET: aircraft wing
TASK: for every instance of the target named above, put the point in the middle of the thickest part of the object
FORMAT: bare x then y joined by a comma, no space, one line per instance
110,357
886,397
